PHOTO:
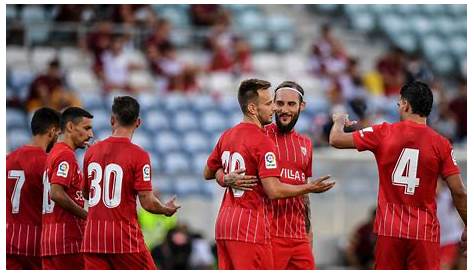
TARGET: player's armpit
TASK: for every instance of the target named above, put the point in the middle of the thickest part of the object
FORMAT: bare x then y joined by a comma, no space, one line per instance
458,192
209,174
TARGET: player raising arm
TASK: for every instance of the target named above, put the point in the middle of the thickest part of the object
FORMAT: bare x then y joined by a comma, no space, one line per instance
410,156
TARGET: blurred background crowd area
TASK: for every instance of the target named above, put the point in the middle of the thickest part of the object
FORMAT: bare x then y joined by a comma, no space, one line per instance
184,64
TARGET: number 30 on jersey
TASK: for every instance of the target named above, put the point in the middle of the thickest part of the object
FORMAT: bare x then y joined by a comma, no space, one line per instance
236,161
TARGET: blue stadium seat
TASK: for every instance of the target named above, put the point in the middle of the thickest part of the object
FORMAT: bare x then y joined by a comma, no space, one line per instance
212,121
363,22
304,123
164,184
101,119
92,100
155,120
175,102
407,42
433,46
167,141
38,34
456,10
16,119
458,46
279,23
32,14
199,161
406,10
234,119
228,105
21,77
155,162
249,21
422,25
445,25
259,40
148,101
143,139
175,163
201,103
187,185
195,141
11,13
16,138
284,41
433,10
185,121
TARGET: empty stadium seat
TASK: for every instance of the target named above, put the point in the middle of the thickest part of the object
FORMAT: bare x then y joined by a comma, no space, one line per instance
175,102
175,163
17,137
141,80
101,119
167,141
363,22
284,41
17,56
71,57
11,13
212,121
21,76
199,161
16,118
143,139
92,100
195,141
185,121
82,80
220,83
201,103
259,40
32,14
249,21
263,62
422,25
279,23
187,185
155,120
41,56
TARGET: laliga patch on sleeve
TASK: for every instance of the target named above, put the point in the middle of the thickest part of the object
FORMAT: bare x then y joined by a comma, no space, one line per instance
270,160
146,173
63,169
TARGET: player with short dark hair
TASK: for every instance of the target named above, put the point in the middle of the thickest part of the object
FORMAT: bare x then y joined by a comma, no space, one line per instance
63,205
24,171
243,224
117,171
410,156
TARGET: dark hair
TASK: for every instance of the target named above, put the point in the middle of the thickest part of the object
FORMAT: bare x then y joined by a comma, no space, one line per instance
291,84
419,96
73,114
43,119
248,91
126,109
54,64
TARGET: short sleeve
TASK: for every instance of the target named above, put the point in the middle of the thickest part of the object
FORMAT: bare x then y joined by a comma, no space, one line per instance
142,172
267,165
369,138
63,170
214,161
85,172
449,165
309,166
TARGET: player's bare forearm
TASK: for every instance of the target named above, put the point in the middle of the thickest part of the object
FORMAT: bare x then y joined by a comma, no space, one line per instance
459,195
60,197
337,137
277,190
307,216
153,205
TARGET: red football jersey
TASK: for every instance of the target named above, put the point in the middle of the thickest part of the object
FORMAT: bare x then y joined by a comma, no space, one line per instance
410,157
243,216
24,168
295,156
116,171
62,232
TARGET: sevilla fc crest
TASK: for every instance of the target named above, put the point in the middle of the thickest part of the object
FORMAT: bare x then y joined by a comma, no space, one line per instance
303,150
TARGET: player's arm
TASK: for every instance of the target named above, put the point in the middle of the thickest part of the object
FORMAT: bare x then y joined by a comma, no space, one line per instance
208,173
60,197
337,137
458,192
153,205
277,190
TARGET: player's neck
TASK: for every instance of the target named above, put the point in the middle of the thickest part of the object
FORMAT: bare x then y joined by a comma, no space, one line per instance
416,119
39,141
68,141
122,132
252,120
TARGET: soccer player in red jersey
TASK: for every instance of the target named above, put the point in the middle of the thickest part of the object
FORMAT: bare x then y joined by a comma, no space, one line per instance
63,204
410,156
117,171
24,168
243,223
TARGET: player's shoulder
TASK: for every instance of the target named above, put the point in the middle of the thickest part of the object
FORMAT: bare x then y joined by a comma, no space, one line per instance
60,151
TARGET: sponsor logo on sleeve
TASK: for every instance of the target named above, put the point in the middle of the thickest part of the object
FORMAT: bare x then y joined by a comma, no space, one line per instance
63,169
270,160
146,173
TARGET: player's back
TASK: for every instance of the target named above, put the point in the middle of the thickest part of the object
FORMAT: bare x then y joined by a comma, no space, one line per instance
24,195
243,216
116,170
410,158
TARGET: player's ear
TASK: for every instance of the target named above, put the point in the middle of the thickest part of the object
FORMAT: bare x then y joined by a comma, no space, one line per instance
302,105
138,122
252,108
112,121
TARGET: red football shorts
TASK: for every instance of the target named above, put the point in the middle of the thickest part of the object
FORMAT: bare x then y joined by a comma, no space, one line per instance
73,261
121,261
233,255
449,255
399,253
292,254
20,262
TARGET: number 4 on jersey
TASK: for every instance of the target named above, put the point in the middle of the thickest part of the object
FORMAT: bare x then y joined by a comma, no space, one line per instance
404,173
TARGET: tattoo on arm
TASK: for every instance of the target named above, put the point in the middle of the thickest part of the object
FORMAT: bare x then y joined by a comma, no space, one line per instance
307,213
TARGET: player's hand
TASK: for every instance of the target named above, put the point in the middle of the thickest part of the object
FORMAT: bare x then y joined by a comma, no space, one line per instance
342,119
464,242
237,180
172,206
319,185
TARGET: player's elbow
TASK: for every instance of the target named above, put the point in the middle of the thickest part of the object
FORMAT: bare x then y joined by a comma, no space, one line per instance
334,141
208,174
